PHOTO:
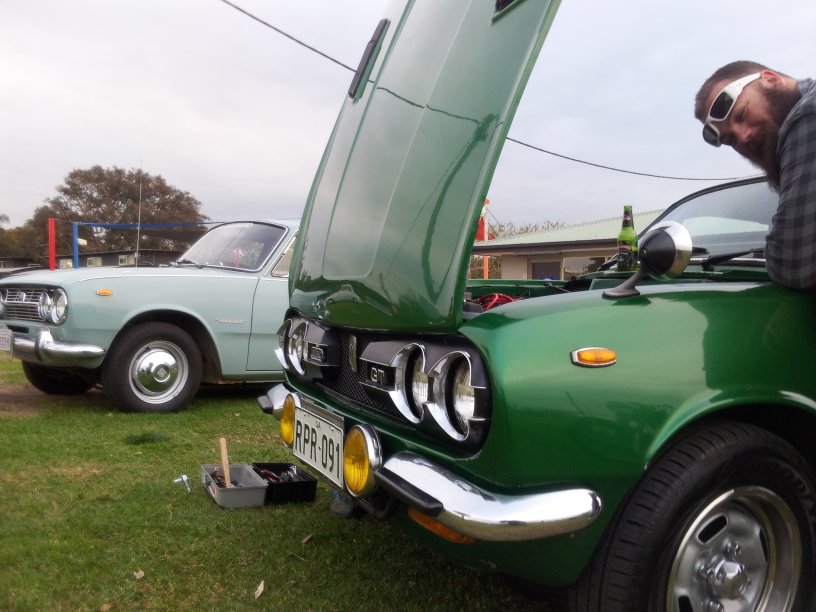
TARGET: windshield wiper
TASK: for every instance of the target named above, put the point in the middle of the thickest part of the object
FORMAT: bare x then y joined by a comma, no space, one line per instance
179,262
709,262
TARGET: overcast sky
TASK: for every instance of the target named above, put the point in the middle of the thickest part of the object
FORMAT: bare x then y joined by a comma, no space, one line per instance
238,115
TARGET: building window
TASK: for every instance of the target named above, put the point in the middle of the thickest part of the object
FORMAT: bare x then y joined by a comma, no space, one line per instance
545,269
66,263
127,260
94,262
576,266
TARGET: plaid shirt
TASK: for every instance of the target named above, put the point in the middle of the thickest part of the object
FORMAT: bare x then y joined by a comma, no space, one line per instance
790,249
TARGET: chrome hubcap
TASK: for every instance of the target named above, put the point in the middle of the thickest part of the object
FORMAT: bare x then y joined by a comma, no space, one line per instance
158,372
741,553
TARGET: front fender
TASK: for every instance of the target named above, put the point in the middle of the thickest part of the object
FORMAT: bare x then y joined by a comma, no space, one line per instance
682,352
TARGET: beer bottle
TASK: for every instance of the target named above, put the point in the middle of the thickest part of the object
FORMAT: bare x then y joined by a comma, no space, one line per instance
627,243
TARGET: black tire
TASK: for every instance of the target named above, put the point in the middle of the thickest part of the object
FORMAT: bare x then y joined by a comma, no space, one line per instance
723,505
57,381
154,367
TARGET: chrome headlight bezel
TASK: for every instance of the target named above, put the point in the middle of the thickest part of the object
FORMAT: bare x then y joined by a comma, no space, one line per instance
419,386
52,306
295,346
462,396
58,307
44,305
307,348
2,302
280,349
442,406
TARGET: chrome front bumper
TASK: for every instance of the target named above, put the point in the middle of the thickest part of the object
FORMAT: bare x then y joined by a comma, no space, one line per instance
43,349
473,511
467,508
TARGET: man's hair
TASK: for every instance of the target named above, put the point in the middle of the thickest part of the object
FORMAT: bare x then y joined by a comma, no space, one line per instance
732,72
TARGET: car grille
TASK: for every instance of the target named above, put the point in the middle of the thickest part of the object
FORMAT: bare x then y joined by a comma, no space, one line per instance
349,383
22,303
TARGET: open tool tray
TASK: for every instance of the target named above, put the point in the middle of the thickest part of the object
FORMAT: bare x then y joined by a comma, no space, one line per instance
286,482
249,489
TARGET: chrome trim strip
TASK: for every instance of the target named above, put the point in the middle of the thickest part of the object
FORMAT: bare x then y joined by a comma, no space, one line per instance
48,352
495,517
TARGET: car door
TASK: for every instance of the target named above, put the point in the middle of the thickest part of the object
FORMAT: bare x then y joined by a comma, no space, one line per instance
268,309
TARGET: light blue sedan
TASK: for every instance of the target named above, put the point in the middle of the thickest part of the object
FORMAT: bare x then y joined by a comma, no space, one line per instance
150,336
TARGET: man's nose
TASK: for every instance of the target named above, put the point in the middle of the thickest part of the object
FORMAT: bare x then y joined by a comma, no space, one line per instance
741,134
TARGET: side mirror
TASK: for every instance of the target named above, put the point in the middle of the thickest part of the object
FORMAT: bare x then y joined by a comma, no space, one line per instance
663,253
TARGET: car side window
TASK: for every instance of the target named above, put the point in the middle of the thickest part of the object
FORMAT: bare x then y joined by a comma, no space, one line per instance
281,268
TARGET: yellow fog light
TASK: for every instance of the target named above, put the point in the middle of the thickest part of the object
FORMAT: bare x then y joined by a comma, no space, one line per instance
594,357
361,458
287,420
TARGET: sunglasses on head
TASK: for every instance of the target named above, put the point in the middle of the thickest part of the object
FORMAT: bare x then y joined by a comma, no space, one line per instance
722,106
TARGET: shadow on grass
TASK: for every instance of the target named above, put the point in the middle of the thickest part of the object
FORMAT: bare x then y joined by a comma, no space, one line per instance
21,399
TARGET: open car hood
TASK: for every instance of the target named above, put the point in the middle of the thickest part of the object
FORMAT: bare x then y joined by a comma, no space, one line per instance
392,214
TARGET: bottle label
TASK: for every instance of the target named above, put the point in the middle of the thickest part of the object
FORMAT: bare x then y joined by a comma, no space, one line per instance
627,260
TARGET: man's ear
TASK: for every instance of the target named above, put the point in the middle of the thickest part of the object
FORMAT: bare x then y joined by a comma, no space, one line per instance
771,79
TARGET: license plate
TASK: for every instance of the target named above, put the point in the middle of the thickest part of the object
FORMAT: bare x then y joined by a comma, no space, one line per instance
6,341
319,441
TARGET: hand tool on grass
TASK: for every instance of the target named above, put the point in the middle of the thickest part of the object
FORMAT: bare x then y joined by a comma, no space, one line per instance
225,463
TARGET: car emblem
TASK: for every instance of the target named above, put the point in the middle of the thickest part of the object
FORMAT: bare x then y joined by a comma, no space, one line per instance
22,297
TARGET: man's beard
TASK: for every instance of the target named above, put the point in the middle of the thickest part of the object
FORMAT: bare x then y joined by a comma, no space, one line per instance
761,150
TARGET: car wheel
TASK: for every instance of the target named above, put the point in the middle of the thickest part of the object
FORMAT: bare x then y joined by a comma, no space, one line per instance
154,367
57,381
724,520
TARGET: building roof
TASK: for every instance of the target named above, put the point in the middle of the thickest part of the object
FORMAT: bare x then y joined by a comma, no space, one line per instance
601,231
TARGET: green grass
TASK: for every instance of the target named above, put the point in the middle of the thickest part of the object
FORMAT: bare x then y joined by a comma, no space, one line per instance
88,499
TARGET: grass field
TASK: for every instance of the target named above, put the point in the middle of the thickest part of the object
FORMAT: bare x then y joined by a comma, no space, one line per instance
88,504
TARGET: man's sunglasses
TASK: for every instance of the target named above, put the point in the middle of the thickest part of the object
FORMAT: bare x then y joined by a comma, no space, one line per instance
723,105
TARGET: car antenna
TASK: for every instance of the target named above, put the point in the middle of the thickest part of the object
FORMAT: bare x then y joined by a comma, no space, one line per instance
138,218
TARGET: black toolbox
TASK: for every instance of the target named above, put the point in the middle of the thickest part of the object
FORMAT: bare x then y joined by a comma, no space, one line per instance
286,483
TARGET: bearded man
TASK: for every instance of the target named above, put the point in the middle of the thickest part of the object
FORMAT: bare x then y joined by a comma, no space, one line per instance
770,119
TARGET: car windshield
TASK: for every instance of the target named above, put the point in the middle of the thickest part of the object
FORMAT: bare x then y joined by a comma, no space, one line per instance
727,220
242,246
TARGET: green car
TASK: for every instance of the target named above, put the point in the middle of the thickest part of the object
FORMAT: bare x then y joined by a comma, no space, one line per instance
644,440
149,335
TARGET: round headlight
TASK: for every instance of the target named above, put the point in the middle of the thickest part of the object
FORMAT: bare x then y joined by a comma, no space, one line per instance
2,302
361,458
419,384
295,346
287,420
43,305
58,309
463,396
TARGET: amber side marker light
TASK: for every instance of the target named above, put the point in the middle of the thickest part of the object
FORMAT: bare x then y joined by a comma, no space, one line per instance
104,292
437,528
594,357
